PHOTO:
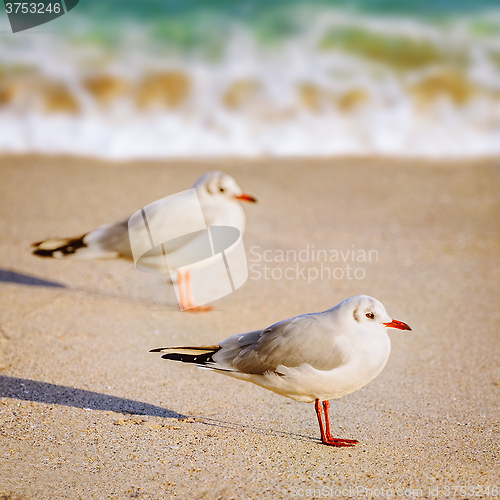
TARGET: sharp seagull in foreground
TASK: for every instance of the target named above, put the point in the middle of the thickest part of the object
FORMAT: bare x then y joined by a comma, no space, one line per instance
313,357
218,194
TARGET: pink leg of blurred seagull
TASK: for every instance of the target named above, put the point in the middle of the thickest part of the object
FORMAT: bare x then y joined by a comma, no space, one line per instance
186,299
180,285
190,299
326,434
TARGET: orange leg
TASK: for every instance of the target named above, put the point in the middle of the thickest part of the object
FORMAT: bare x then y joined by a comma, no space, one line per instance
188,303
326,433
189,290
180,284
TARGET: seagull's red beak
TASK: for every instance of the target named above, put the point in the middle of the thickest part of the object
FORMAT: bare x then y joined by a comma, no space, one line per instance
397,324
247,197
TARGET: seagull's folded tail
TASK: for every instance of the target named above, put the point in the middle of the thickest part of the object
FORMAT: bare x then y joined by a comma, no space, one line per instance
198,355
59,247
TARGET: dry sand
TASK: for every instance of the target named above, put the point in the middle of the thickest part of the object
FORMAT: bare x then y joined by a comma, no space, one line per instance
87,413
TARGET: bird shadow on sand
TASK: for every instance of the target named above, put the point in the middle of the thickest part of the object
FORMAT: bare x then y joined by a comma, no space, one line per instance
8,276
52,394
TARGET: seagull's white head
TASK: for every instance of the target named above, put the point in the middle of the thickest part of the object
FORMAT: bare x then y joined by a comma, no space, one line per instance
219,185
369,313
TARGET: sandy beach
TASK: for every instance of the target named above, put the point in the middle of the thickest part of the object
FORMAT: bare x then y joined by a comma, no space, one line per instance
86,412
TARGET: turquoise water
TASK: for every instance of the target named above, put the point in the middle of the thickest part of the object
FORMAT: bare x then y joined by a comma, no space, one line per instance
151,9
191,22
205,26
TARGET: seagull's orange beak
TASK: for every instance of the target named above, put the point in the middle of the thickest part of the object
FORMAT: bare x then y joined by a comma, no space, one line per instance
397,324
247,197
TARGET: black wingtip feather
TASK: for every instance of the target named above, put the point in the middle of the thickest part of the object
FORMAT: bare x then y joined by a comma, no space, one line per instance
67,249
43,253
199,359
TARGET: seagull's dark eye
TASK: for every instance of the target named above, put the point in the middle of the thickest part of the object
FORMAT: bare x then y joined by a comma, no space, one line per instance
370,315
221,190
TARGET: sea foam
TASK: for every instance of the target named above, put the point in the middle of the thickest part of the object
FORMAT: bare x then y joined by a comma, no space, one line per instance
340,84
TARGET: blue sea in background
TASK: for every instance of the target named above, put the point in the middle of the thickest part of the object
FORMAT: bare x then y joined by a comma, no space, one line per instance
158,79
242,8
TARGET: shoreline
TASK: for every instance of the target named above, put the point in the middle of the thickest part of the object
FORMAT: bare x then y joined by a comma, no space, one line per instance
256,160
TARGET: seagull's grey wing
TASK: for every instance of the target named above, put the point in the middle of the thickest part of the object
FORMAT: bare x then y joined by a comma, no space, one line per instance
292,342
180,222
178,215
115,237
109,239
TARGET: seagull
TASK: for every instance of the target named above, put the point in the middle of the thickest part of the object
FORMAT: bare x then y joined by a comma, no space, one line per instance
219,196
310,358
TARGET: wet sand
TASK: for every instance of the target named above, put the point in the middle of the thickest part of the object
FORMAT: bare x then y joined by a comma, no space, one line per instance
87,413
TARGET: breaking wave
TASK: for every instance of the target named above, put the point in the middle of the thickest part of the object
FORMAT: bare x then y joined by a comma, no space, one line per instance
311,81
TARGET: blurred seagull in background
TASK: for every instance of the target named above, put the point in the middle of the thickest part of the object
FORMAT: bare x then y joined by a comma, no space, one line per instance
219,196
313,357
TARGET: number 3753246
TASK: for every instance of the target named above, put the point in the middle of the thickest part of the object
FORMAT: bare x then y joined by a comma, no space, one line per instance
33,8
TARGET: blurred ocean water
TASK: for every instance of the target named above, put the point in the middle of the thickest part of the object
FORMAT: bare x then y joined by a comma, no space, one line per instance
187,78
